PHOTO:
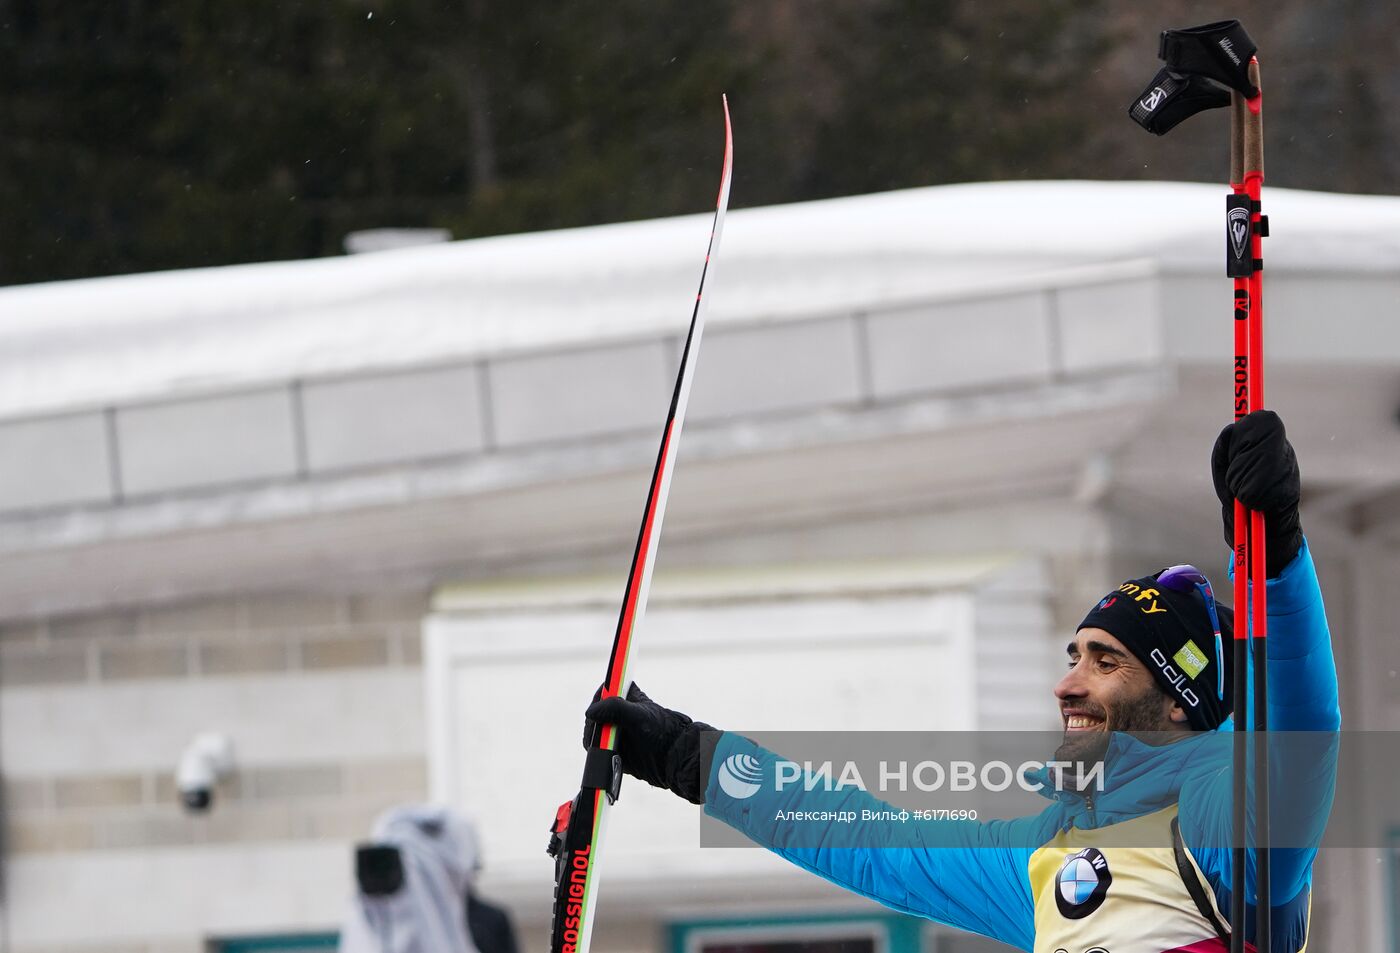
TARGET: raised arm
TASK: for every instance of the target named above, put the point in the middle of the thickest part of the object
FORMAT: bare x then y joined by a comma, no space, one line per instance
1254,461
966,874
963,873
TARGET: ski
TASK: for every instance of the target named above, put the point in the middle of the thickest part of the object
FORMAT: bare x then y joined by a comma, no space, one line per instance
576,834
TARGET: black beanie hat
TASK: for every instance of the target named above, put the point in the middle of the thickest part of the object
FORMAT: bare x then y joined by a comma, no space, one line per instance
1169,629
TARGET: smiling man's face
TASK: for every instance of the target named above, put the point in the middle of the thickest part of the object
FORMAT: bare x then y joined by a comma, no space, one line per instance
1108,689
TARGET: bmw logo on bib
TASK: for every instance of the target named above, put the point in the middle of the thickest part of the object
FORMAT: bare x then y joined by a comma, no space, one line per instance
1082,883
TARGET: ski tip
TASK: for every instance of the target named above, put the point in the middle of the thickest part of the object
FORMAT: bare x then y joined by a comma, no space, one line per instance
728,150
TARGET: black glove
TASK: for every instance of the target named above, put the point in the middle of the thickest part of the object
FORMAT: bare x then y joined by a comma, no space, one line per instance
662,747
1254,463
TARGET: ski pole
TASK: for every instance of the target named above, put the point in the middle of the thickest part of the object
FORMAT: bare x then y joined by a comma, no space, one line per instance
1198,60
1247,115
576,835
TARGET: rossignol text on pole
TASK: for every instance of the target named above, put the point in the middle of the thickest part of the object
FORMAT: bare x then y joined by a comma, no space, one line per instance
576,834
1208,67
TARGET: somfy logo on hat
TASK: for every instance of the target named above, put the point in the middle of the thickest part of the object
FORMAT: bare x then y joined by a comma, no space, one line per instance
739,775
1140,594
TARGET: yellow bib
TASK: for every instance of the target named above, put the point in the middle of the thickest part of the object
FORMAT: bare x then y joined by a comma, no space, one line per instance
1093,897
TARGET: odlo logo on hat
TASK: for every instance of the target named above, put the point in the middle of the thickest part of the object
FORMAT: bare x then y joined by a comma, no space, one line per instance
1082,883
739,775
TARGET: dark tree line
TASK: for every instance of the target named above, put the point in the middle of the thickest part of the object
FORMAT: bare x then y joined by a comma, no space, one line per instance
148,134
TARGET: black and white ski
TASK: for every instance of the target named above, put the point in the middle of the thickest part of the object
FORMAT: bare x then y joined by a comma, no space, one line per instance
577,833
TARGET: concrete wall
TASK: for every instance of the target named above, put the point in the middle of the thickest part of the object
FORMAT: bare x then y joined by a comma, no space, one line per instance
321,694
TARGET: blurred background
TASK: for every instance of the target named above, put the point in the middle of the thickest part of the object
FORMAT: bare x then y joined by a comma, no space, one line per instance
147,135
337,339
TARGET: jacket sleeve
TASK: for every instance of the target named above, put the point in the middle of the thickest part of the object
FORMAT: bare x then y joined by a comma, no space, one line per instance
961,873
1302,672
1303,697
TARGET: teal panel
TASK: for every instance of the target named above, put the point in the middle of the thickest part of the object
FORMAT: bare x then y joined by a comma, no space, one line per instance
279,944
1393,894
902,933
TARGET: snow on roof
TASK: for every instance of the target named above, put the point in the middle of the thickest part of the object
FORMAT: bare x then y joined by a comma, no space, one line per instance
107,340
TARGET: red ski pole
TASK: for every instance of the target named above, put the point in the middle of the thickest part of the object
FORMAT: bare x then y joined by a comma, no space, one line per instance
1201,62
1251,574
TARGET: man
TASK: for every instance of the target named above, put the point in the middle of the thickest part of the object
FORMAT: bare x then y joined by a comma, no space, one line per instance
1140,863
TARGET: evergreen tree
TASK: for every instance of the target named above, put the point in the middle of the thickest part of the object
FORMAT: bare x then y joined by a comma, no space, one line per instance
147,134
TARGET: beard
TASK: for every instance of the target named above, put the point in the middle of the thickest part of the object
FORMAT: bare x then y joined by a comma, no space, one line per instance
1143,716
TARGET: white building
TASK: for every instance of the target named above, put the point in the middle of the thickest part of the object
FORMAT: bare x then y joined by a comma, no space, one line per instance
371,517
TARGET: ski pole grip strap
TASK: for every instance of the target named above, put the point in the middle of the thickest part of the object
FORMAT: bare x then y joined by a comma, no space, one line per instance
1172,97
1220,51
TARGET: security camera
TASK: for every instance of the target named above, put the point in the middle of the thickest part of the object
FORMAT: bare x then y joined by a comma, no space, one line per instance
205,761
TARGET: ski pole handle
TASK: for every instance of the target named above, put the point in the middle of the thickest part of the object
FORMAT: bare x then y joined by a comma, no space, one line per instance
1247,131
1238,111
